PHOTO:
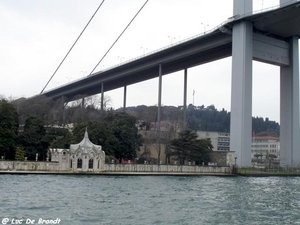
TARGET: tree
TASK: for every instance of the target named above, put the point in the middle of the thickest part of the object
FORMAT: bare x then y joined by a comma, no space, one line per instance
20,154
8,129
34,139
126,133
39,106
170,132
86,108
258,155
99,134
115,132
95,102
150,138
59,137
188,147
201,118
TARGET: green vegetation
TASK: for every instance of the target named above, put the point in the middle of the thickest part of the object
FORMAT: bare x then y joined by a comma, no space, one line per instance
126,135
42,126
266,171
188,147
34,139
8,130
203,118
20,154
59,137
116,132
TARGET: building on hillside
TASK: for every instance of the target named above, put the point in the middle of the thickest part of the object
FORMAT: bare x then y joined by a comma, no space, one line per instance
264,146
150,149
142,125
219,140
165,126
84,156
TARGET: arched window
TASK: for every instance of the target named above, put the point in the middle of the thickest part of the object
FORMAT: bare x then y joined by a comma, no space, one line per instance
91,164
71,163
79,163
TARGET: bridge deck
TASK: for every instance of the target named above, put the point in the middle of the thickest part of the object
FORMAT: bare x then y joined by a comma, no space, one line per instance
280,23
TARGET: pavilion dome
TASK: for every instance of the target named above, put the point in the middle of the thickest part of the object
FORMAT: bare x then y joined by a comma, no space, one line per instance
85,145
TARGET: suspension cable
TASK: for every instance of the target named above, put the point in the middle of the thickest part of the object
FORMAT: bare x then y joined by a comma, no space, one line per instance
118,37
72,46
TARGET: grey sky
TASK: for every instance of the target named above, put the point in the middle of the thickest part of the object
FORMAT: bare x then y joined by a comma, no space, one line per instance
36,35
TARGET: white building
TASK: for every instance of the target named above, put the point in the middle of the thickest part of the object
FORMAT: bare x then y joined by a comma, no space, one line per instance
219,140
265,145
261,145
84,156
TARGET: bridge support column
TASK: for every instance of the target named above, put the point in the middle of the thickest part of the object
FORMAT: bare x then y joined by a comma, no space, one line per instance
159,111
184,98
124,100
63,110
102,96
289,109
241,90
82,103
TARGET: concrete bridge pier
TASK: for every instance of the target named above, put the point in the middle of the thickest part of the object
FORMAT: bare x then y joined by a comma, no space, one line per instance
124,97
241,89
184,97
159,110
102,96
289,109
246,45
82,103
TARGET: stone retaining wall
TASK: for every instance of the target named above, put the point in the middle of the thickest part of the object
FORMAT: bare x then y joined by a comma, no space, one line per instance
164,168
28,166
118,168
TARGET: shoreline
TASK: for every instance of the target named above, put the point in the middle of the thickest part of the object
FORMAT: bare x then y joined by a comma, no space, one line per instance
14,172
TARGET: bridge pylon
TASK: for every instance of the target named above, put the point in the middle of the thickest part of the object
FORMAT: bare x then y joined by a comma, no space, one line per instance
284,52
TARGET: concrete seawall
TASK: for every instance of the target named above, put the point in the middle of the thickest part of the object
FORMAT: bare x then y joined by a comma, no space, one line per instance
31,167
28,166
164,168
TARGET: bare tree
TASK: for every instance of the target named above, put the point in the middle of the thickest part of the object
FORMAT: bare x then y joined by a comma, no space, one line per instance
2,97
37,106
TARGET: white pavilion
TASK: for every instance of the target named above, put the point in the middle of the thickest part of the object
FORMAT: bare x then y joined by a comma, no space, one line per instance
84,156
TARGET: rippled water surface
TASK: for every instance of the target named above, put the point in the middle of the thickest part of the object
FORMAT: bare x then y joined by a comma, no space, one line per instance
150,199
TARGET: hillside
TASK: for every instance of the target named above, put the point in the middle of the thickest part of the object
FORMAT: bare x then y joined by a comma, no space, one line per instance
202,118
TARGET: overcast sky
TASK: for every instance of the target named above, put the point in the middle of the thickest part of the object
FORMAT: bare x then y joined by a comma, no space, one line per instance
36,35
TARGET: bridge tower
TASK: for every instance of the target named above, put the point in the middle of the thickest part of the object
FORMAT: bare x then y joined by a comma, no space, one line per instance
246,46
241,87
289,106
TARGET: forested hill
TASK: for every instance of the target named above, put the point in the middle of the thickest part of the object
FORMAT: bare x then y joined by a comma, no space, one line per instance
202,118
206,118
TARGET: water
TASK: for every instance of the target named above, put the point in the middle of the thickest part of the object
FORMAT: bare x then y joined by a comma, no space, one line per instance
150,199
